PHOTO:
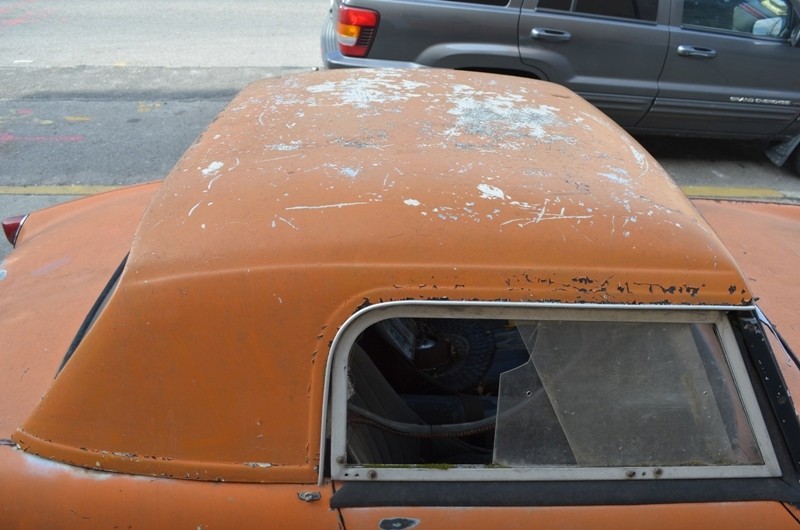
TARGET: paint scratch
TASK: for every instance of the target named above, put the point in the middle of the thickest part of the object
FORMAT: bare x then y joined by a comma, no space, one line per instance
326,206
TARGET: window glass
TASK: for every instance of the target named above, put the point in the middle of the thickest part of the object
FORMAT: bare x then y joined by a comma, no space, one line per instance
484,2
633,9
764,18
544,393
622,394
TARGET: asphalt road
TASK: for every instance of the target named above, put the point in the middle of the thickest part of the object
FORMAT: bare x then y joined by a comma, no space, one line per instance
97,94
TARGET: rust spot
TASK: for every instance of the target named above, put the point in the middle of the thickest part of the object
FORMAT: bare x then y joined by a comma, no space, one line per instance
365,303
398,523
309,496
692,290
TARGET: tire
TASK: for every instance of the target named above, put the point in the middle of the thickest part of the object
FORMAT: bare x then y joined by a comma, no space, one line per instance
794,161
475,347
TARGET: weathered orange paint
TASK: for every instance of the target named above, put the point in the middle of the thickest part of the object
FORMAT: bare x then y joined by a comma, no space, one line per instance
765,240
309,197
53,277
37,493
730,516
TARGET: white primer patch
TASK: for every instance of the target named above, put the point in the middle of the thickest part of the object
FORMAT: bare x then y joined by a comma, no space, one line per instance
509,119
639,156
615,178
351,172
261,465
46,468
212,168
491,192
294,145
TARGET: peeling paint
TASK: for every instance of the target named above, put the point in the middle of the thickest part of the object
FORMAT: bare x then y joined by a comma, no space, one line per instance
617,175
491,192
260,465
364,93
37,465
351,172
212,168
398,523
294,145
344,171
510,120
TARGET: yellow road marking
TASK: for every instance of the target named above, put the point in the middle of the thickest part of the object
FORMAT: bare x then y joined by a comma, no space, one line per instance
146,106
54,190
78,118
731,193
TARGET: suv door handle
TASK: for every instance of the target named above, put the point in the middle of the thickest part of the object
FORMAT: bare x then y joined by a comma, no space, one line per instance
551,35
686,50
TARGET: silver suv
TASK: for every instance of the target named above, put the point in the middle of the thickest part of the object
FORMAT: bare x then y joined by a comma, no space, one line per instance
714,68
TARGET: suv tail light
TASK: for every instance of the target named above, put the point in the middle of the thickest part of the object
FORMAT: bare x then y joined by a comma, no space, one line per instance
12,226
355,30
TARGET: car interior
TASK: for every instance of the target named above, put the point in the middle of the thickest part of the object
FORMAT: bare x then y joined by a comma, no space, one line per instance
472,392
768,18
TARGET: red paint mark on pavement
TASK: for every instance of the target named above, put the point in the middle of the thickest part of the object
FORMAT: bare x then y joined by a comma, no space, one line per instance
21,13
15,21
8,137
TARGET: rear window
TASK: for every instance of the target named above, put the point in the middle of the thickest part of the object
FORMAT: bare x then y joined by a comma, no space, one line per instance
547,397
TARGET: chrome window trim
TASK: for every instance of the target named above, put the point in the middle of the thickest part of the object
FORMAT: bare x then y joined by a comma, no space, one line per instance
335,393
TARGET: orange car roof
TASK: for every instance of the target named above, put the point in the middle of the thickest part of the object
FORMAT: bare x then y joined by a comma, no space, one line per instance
314,194
433,169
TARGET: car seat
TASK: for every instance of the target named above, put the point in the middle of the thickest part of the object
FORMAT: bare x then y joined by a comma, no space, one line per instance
367,444
761,17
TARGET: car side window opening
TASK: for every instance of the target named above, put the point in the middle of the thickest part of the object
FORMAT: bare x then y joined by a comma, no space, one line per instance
645,10
761,18
459,392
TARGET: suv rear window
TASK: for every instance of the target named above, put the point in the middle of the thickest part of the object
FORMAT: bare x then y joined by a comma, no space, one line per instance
633,9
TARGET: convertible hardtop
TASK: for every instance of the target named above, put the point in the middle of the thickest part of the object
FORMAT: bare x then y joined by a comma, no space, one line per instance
308,198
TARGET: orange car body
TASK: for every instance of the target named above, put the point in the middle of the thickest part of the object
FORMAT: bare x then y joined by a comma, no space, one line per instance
196,393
